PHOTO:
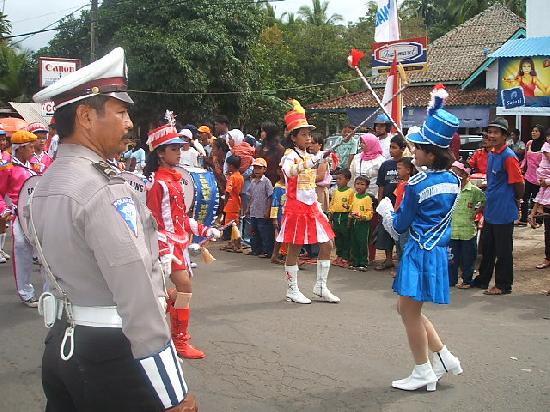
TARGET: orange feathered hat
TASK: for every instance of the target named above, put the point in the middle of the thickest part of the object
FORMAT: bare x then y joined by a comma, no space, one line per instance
296,118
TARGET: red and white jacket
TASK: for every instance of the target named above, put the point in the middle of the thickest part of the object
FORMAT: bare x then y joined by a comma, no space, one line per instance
165,201
13,175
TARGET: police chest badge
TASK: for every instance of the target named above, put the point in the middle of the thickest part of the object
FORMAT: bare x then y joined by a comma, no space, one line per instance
127,209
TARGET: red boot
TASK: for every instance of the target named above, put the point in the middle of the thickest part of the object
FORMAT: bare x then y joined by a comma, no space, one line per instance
179,318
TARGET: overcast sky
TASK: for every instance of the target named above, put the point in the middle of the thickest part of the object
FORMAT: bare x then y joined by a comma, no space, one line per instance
31,15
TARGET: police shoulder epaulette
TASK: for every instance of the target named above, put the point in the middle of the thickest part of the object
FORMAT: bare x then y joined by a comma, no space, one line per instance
105,169
417,178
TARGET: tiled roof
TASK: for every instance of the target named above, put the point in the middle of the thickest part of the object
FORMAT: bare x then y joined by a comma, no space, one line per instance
457,54
413,96
533,46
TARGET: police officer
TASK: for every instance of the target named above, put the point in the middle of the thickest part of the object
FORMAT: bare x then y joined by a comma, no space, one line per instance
109,348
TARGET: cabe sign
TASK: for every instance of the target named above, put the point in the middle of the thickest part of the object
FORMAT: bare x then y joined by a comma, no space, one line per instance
411,53
51,69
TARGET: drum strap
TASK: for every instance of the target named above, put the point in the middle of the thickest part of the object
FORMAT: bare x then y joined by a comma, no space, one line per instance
47,299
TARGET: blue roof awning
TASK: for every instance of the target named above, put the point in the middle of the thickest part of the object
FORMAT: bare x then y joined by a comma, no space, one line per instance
531,46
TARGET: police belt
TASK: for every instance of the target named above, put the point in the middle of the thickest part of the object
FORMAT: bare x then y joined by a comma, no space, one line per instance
96,316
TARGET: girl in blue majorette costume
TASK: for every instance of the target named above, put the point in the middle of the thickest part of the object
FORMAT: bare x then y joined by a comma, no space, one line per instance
426,211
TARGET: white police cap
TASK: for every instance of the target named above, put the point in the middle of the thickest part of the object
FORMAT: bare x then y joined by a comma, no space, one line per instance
107,76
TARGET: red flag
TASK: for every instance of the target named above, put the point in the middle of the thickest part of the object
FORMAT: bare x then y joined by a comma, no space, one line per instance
395,106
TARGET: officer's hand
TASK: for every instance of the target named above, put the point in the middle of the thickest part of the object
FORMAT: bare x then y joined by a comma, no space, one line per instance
188,405
213,232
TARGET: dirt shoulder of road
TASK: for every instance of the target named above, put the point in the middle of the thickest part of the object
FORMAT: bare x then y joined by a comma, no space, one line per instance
528,253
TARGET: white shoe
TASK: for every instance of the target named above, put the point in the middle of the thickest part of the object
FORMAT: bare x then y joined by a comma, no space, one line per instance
193,265
444,361
2,259
320,289
5,255
294,295
422,375
324,293
31,302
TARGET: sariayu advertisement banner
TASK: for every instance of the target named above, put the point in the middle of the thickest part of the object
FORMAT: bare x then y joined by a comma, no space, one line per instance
524,81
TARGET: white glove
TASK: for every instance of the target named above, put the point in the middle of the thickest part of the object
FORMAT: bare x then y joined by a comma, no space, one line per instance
385,210
166,263
384,207
212,232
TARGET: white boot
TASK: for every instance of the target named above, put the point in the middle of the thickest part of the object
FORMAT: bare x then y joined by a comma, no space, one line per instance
293,294
422,375
444,361
320,289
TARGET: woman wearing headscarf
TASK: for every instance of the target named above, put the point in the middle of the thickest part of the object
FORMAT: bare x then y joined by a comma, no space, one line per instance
530,164
367,163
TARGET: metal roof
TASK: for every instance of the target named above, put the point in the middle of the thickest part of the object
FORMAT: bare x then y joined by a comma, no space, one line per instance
31,112
531,46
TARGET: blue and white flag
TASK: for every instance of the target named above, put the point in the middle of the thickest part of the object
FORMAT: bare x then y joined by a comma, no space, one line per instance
387,25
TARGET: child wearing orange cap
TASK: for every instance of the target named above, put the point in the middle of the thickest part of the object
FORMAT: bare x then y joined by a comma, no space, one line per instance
12,177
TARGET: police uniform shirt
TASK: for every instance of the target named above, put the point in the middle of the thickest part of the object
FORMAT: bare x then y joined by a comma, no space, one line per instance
101,245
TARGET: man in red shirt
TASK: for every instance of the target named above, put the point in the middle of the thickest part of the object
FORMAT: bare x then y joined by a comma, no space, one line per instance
478,160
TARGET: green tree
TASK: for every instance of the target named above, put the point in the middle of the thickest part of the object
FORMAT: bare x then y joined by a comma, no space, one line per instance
14,72
193,47
5,27
317,14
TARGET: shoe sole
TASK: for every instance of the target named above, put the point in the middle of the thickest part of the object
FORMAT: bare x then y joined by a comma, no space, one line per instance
295,301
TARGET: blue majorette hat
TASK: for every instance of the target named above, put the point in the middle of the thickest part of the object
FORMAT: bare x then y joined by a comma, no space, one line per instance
440,125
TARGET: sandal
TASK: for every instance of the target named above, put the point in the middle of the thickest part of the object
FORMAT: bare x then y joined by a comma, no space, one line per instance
532,220
544,264
383,266
463,286
494,291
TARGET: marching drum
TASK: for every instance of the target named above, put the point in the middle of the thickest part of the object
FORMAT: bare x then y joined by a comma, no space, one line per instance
24,197
137,182
200,194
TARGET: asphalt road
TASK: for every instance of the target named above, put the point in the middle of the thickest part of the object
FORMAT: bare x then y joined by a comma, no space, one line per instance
264,354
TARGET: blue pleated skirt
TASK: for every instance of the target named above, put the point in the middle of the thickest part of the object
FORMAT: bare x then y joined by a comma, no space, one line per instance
423,274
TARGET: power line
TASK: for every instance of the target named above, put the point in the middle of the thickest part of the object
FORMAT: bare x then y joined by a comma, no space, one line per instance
47,28
240,92
44,15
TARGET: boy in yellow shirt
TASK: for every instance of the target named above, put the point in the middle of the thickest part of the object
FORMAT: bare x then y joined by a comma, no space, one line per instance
360,215
339,212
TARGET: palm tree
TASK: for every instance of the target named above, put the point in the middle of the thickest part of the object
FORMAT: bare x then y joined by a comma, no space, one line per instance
12,74
5,27
317,15
290,18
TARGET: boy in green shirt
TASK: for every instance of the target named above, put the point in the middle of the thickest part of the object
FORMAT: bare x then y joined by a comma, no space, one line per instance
339,211
464,229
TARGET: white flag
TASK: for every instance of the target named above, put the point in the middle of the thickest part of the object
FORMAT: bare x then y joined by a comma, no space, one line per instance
387,26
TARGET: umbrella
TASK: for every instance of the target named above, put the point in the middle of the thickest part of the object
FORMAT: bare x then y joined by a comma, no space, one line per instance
12,124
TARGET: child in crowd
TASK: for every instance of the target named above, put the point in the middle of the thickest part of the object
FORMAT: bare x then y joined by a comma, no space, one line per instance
464,228
405,169
387,181
233,189
260,192
323,173
276,215
543,174
361,212
339,213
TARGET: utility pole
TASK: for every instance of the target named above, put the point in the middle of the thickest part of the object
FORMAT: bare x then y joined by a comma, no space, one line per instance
93,30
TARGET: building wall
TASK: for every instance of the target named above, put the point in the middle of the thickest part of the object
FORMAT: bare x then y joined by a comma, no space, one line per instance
491,76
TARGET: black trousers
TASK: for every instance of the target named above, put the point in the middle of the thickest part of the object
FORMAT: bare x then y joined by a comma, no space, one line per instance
497,244
101,376
531,192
